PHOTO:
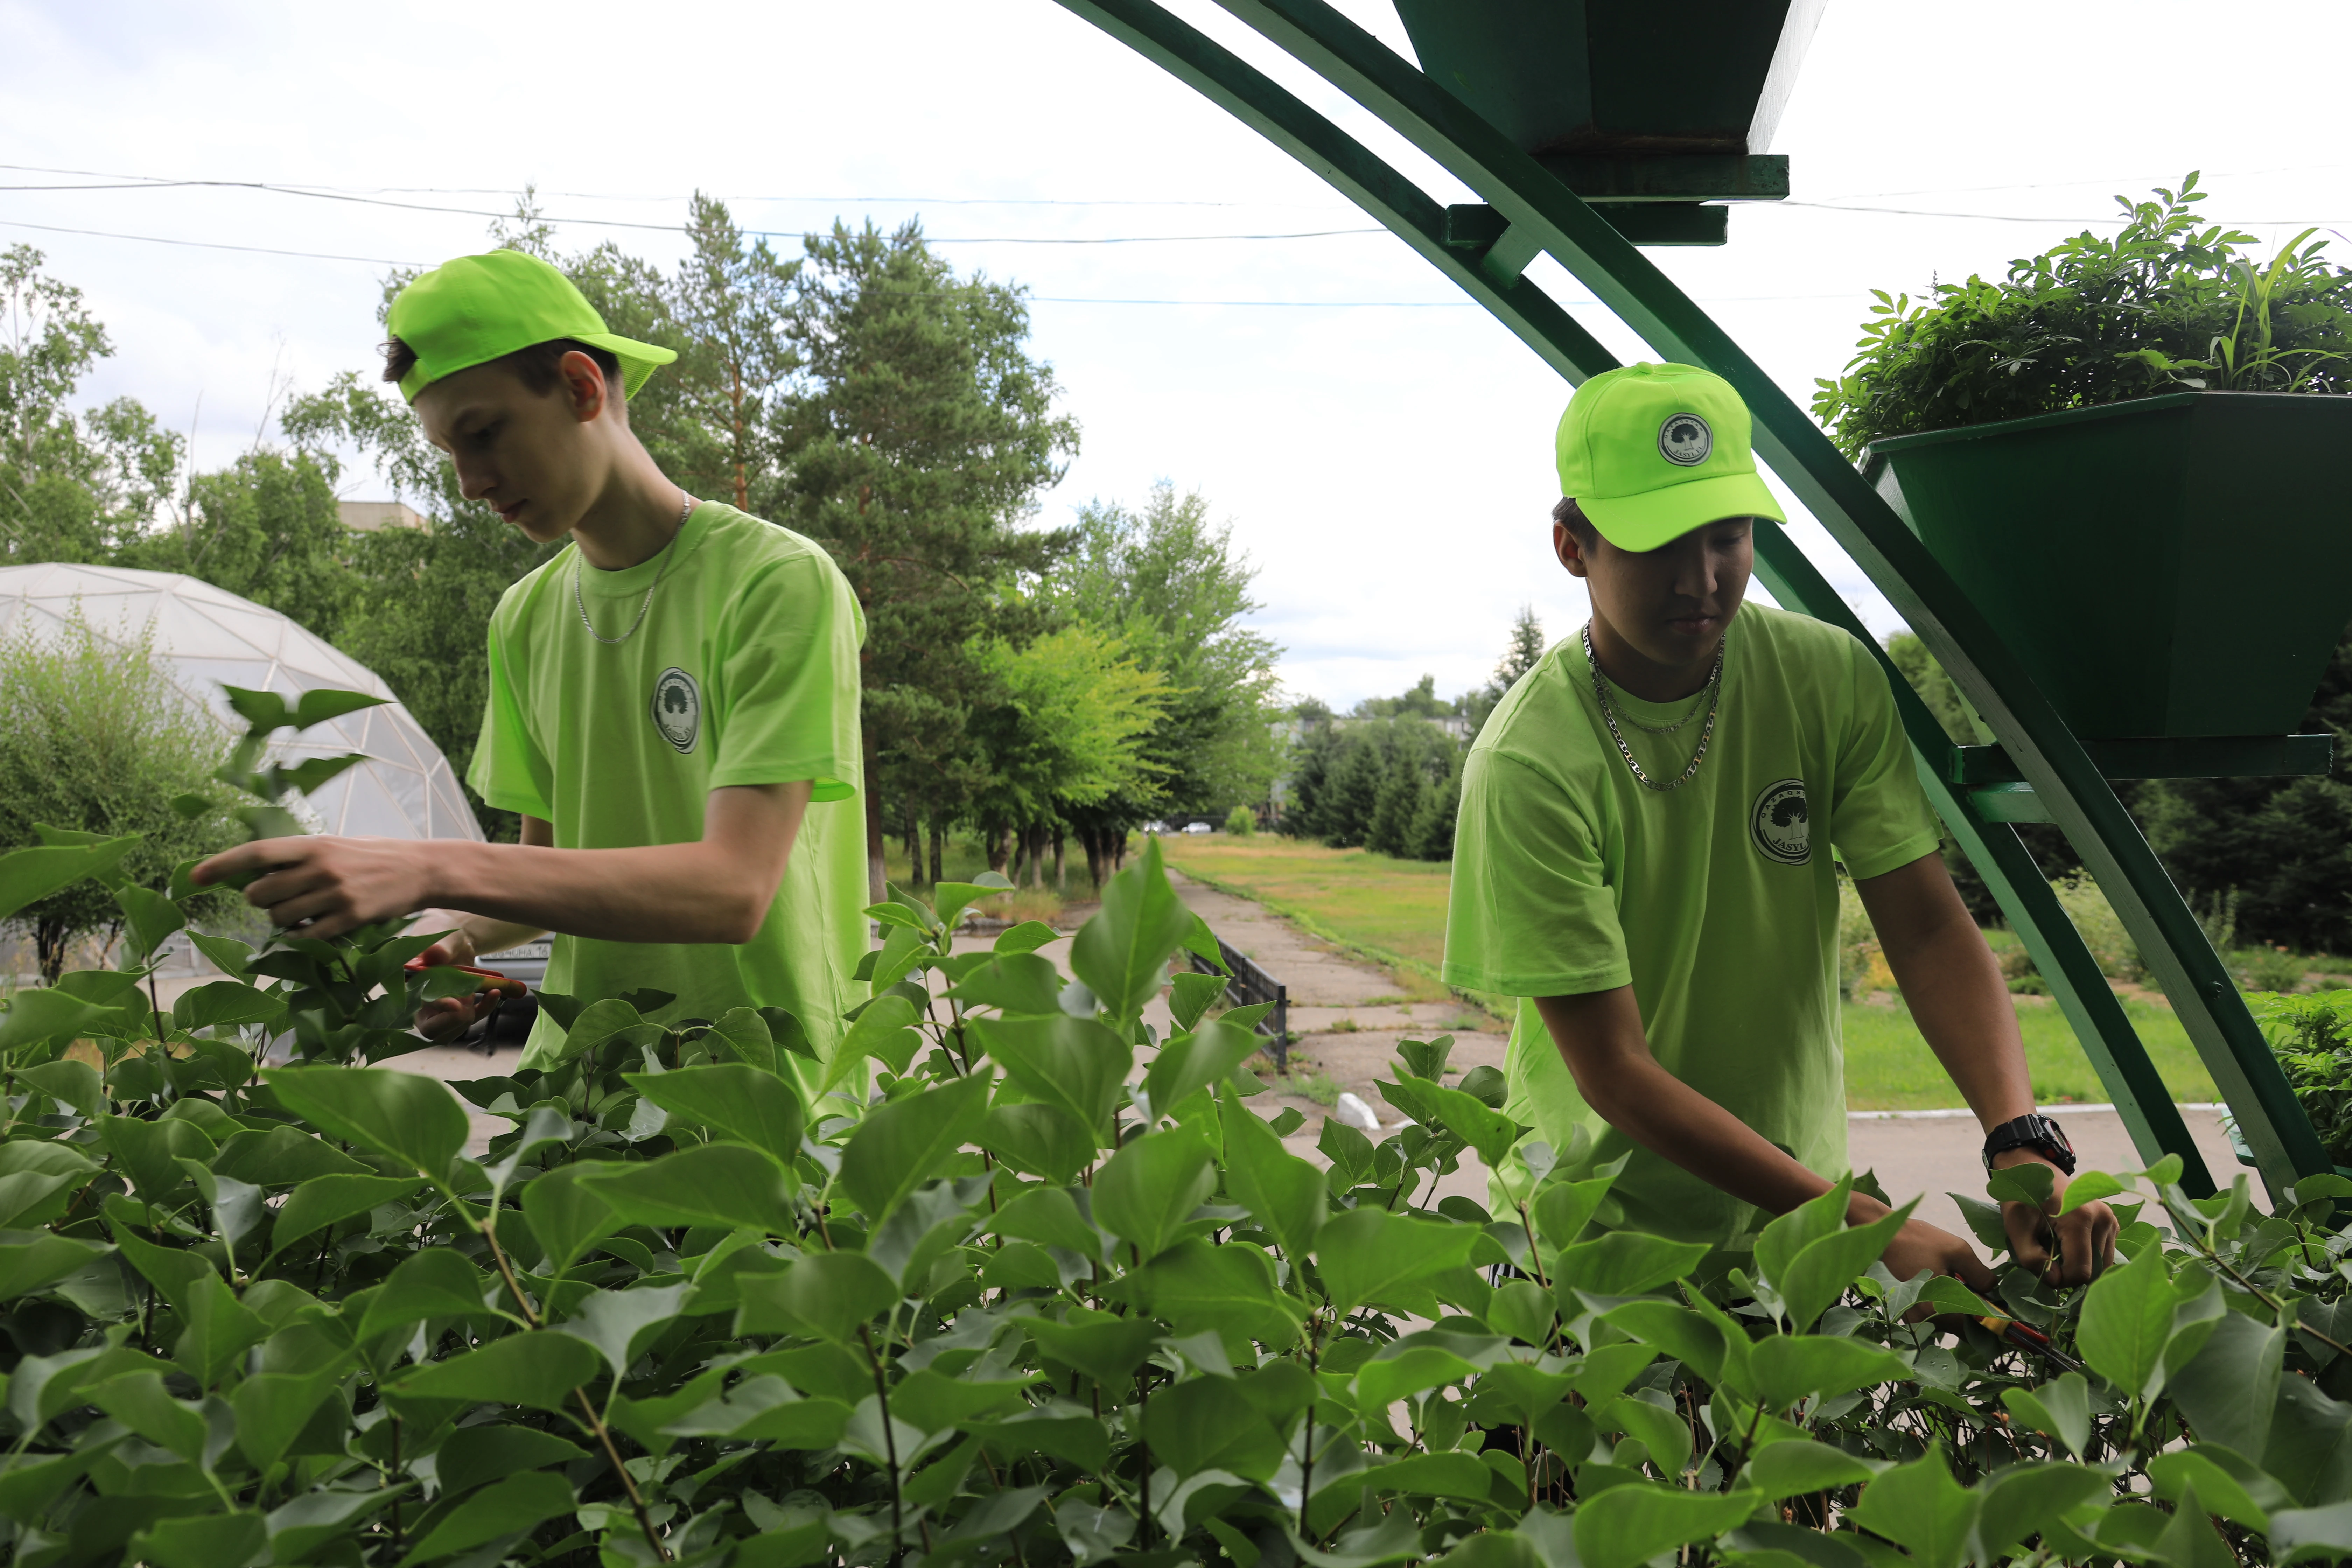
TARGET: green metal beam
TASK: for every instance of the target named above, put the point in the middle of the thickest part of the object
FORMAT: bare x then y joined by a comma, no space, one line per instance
2172,757
1450,239
1870,528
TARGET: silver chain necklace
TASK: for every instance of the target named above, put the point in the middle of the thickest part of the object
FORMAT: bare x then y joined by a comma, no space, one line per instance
1608,715
684,513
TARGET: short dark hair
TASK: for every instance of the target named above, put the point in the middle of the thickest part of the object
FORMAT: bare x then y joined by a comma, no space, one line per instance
1570,516
537,367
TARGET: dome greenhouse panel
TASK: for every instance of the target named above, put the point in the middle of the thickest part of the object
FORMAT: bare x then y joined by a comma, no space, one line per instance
205,635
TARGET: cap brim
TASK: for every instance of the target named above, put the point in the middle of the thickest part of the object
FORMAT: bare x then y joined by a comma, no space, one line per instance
638,360
1646,521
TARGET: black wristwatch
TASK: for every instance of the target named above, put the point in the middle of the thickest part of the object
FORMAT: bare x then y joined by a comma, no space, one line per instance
2036,1132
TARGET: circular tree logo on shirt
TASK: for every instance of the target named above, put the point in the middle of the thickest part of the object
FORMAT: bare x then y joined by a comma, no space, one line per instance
1780,824
677,707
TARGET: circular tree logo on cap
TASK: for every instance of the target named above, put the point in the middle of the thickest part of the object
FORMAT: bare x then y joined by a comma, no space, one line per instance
678,708
1781,824
1686,441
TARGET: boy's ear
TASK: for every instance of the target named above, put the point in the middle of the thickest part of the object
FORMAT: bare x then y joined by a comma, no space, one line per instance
584,384
1570,550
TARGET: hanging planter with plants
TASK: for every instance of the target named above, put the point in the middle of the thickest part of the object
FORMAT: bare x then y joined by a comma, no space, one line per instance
2135,457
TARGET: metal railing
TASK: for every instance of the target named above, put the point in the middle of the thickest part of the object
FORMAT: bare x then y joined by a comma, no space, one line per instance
1247,984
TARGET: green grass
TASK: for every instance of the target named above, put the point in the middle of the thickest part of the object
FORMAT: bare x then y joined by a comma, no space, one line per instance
1888,1066
1393,913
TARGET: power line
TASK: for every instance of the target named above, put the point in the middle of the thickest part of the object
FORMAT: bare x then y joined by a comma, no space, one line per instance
209,245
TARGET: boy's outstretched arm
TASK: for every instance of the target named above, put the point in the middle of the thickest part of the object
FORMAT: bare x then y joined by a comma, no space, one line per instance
717,890
1956,996
1599,1037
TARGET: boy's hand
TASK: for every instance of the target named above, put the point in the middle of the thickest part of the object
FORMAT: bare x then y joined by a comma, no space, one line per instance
452,1016
1919,1244
336,884
2084,1241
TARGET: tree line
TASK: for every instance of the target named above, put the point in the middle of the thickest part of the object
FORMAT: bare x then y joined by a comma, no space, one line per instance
1022,683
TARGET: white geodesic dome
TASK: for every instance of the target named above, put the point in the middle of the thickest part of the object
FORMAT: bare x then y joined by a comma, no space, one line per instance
205,635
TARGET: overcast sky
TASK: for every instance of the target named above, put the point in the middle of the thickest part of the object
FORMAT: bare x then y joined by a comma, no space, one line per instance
1382,449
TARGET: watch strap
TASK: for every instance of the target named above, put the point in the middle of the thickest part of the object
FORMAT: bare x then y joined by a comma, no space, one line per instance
2036,1132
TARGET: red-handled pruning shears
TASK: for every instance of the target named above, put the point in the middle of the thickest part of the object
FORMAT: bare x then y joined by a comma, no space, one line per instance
2026,1337
492,980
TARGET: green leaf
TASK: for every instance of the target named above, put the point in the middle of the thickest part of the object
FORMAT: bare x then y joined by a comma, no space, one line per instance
1049,1214
1187,1065
35,1261
1368,1256
827,1296
1287,1194
931,1401
322,1201
322,704
2297,1534
1786,1368
1622,1263
505,1508
2218,1490
2089,1187
2028,1182
477,1456
1468,1118
1820,1273
567,1216
1446,1475
283,1156
1105,1348
71,1083
1395,1375
1562,1210
1230,1288
312,774
2062,1410
2127,1322
539,1369
28,876
434,1283
1682,1334
407,1116
901,1144
1919,1506
1207,1423
1799,1465
1488,1548
310,1521
268,822
140,1401
1074,1064
1190,994
264,712
147,919
949,899
150,1151
1984,1222
619,1322
201,1541
220,1329
1814,1220
1120,953
34,1018
30,1482
883,1032
272,1409
1628,1525
2027,1499
1027,936
191,807
1146,1192
2229,1388
226,1004
741,1101
1042,1140
1013,984
731,1186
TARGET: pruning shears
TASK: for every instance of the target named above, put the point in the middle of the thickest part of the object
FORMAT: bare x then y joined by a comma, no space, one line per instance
509,1014
2026,1337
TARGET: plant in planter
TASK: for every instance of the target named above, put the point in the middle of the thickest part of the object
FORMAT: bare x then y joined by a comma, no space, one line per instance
2159,415
1046,1290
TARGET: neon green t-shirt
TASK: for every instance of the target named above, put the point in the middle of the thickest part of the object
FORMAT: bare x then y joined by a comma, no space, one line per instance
1717,901
744,672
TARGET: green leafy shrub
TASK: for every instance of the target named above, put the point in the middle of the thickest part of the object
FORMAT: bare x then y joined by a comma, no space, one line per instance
2311,1037
2102,929
1016,1278
1241,821
2268,968
2167,305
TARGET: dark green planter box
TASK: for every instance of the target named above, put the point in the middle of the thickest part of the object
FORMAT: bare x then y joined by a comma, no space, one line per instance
2171,566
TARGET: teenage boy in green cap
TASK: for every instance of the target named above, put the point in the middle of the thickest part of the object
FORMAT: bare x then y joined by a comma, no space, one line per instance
673,707
1644,859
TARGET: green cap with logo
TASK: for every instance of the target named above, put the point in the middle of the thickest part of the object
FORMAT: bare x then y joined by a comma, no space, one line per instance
1652,451
477,309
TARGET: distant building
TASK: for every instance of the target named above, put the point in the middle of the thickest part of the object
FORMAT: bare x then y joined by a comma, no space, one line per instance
367,516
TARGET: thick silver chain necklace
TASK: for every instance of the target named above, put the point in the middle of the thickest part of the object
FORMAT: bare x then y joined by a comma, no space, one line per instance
684,513
1608,715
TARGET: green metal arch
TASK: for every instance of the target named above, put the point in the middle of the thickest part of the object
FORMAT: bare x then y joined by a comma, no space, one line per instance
1545,214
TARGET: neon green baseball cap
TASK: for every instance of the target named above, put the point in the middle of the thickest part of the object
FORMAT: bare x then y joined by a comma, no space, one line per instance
1652,451
477,309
